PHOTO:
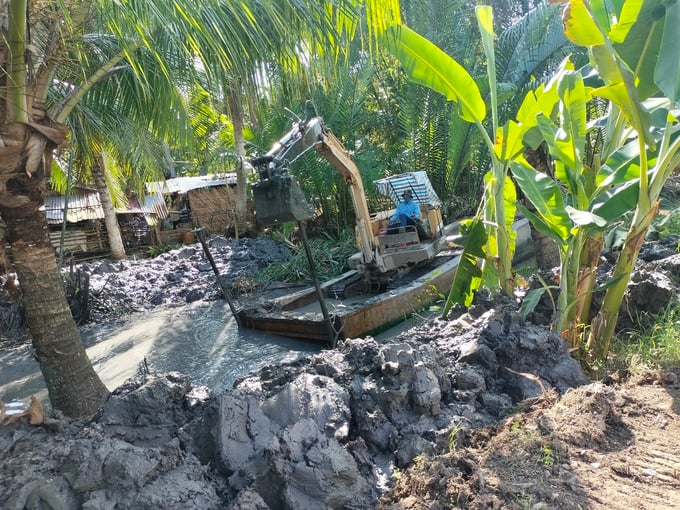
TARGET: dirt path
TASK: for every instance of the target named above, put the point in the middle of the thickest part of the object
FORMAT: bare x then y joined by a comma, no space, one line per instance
639,464
599,447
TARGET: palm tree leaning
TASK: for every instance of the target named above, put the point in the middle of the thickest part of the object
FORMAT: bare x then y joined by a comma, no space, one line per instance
29,136
114,140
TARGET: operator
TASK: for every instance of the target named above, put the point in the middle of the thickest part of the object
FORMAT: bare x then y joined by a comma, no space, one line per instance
407,213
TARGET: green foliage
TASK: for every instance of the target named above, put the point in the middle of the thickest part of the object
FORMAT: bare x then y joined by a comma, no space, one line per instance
156,250
426,64
468,276
330,258
453,438
667,224
547,456
653,347
343,102
533,297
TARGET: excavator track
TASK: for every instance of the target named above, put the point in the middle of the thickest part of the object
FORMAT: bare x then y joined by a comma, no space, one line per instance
344,288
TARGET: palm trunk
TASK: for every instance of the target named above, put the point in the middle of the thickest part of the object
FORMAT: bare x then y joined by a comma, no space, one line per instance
241,178
110,219
72,384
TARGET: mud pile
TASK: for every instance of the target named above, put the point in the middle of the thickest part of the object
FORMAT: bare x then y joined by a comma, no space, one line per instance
175,278
333,430
325,432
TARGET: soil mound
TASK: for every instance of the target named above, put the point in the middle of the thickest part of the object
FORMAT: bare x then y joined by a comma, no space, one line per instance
598,447
329,431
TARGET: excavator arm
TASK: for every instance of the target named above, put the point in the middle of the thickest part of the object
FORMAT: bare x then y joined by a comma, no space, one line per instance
272,170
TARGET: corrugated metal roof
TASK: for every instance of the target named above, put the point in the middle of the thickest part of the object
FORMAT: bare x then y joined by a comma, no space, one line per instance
87,206
81,206
186,184
152,204
416,182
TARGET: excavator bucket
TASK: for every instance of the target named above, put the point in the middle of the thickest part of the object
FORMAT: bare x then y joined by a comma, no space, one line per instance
280,199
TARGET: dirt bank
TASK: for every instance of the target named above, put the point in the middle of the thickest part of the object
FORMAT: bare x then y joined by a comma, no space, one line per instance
329,431
612,447
484,411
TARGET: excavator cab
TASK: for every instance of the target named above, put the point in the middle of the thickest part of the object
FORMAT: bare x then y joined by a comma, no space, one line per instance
430,222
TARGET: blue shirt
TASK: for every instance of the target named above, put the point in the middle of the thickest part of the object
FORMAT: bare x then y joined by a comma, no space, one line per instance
410,209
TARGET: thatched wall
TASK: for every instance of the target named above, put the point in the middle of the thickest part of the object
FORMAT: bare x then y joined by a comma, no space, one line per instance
213,208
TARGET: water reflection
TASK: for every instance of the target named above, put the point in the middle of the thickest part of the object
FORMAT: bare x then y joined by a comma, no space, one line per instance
201,341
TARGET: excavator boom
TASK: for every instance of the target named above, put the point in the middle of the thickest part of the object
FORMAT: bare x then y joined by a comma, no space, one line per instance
278,198
277,191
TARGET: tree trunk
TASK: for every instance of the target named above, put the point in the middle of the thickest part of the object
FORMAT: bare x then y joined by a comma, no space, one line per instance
172,170
110,219
240,145
72,384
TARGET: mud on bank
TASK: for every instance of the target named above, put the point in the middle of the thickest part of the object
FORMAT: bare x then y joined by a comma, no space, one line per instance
172,279
326,432
477,412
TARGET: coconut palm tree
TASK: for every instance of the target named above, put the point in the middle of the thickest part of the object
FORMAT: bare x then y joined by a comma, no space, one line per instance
114,137
39,42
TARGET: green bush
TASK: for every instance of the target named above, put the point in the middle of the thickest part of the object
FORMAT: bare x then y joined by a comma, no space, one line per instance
330,259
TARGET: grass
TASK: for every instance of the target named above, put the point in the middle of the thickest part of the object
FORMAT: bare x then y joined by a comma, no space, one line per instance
655,347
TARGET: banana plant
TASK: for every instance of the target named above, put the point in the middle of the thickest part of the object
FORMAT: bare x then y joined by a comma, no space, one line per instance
428,65
634,48
636,57
576,207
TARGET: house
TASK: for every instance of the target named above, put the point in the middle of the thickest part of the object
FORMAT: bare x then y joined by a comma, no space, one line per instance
85,233
141,220
207,201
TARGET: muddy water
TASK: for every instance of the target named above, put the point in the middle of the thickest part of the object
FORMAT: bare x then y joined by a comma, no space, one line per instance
202,341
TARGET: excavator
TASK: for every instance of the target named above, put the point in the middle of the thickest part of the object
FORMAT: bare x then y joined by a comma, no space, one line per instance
384,254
